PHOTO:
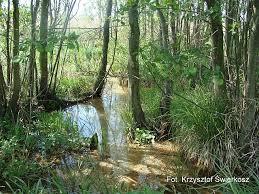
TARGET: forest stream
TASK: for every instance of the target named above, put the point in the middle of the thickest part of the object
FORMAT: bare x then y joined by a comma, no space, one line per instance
131,164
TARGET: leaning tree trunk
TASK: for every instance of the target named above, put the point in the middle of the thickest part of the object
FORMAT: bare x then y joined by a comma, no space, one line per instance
218,52
133,65
252,76
16,66
43,52
99,84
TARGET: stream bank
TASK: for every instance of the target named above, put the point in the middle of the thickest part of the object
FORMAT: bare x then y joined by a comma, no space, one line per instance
116,159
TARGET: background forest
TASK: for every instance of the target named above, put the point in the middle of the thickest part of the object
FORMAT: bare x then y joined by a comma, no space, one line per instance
191,69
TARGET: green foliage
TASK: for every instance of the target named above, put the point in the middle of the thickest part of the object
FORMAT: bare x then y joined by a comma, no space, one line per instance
57,135
23,187
185,66
72,41
144,136
49,135
206,121
74,87
14,160
201,124
151,100
22,167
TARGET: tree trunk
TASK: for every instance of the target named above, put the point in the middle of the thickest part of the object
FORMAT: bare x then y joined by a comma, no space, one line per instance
16,66
173,30
2,93
3,101
99,84
152,30
232,48
34,10
8,57
218,52
167,93
133,65
252,69
43,52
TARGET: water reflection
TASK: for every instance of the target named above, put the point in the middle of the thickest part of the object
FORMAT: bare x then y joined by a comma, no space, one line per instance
103,117
86,118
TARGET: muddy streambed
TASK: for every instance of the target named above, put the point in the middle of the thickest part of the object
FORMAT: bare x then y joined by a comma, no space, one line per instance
122,162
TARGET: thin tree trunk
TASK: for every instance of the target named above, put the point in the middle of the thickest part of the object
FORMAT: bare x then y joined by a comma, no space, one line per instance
8,57
16,66
145,21
165,103
133,65
34,10
218,51
99,84
173,30
252,69
152,26
2,93
43,53
55,70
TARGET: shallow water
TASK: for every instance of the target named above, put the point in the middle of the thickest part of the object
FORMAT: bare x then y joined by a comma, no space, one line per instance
103,117
123,162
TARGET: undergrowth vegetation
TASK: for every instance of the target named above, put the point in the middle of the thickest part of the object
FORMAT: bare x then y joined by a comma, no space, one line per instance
27,152
74,87
199,119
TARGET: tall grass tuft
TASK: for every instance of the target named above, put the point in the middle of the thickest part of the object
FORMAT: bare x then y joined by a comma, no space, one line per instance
201,130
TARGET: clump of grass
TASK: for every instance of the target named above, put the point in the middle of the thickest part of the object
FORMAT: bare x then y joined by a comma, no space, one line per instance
201,129
237,184
74,86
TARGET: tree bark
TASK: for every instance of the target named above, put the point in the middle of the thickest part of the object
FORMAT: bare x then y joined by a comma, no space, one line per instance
2,93
43,52
32,60
16,66
133,65
165,103
218,52
99,84
252,69
8,57
152,29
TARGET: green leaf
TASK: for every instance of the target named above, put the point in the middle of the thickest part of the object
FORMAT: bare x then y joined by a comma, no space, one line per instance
192,71
39,46
16,59
71,45
50,47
